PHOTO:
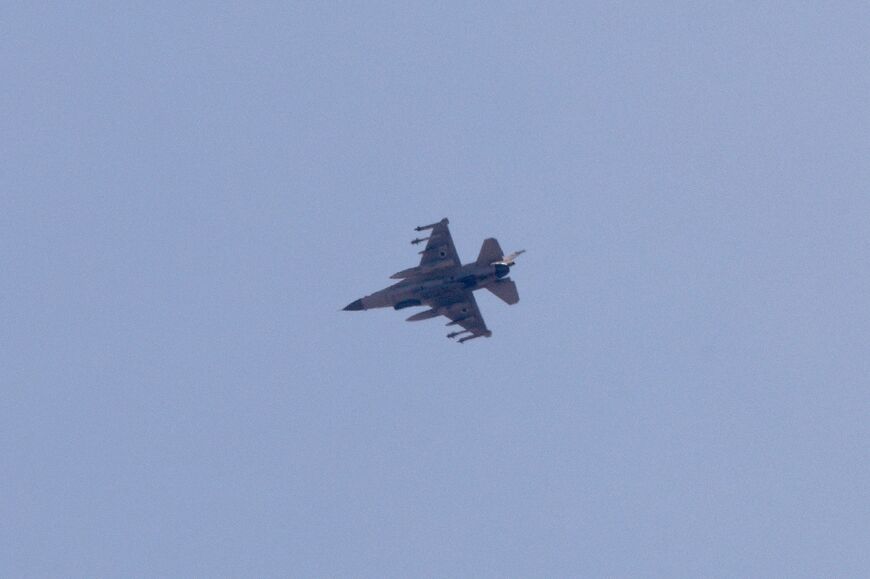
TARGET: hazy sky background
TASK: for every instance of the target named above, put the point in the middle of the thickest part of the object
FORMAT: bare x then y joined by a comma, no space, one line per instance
190,193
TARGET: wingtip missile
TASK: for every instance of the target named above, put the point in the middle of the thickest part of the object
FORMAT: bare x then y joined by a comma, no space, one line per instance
444,221
452,335
466,338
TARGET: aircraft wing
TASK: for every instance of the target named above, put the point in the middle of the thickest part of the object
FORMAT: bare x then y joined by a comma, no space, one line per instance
439,249
461,308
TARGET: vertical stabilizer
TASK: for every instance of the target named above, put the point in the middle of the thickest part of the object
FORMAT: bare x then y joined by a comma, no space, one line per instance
490,252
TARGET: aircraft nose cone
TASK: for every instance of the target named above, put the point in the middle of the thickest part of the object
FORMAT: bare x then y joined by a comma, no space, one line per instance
354,306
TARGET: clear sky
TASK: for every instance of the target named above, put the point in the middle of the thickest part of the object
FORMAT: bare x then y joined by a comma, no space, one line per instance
190,193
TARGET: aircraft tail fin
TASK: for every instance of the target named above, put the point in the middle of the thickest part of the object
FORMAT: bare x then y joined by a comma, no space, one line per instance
505,290
490,252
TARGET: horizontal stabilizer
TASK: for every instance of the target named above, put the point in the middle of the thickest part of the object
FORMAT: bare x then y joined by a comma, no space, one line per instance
506,290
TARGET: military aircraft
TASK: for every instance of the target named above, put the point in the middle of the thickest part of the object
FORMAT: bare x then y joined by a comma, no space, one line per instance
443,284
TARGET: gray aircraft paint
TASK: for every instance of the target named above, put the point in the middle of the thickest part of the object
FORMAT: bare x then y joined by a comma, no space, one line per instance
443,284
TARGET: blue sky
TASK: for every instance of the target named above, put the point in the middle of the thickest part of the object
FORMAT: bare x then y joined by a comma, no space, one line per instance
190,193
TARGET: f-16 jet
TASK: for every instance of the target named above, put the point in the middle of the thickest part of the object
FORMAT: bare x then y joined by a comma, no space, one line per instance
446,286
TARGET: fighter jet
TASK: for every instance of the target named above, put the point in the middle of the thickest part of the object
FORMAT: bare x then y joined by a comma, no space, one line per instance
446,286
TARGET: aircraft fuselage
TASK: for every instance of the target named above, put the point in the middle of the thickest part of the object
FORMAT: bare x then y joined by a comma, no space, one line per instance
414,291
